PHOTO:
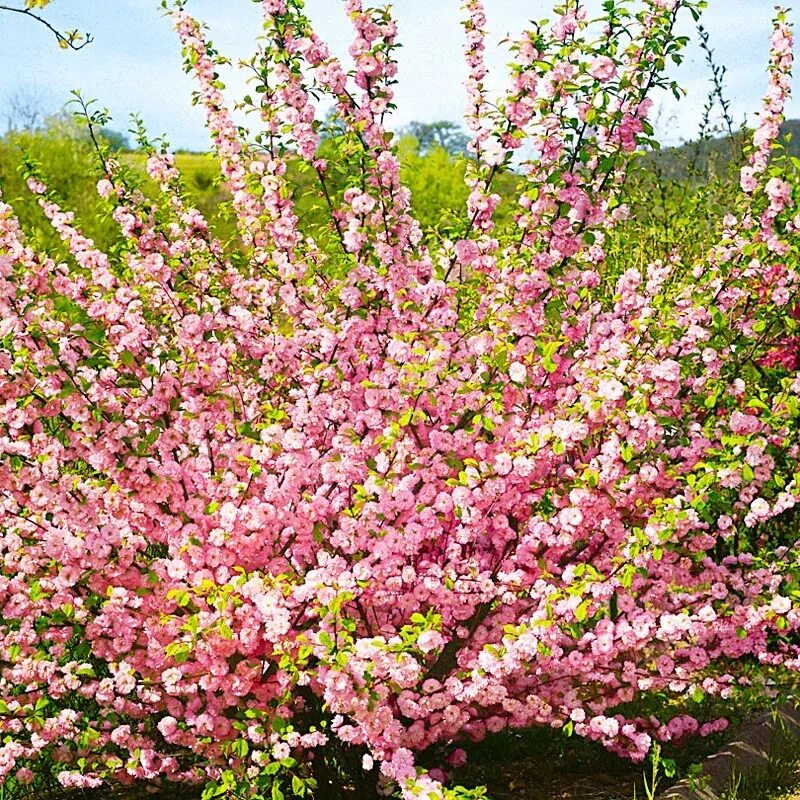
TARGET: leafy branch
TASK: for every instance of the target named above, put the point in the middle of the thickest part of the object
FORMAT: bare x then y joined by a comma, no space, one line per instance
73,40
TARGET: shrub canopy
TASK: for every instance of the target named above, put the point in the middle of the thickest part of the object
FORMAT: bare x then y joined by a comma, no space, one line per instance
325,500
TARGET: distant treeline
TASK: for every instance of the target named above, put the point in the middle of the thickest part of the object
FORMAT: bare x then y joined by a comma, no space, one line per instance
714,155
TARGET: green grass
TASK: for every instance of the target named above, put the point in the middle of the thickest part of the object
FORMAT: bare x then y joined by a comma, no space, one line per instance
779,779
200,170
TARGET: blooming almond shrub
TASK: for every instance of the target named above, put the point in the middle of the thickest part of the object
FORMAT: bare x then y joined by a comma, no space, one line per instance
310,507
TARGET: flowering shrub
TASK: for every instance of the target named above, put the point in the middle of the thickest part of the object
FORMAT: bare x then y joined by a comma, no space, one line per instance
282,515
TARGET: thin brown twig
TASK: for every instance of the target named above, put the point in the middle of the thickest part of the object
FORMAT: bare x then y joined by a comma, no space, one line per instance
64,41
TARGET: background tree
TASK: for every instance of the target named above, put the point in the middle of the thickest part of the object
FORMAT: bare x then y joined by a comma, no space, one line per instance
23,109
116,140
450,136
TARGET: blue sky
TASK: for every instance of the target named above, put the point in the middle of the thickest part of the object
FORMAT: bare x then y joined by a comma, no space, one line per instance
134,63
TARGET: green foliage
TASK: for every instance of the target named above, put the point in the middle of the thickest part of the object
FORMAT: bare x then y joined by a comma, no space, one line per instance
116,140
436,181
677,198
435,178
72,168
442,134
204,187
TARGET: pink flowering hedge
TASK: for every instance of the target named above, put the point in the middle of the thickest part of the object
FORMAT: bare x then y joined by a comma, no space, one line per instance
283,516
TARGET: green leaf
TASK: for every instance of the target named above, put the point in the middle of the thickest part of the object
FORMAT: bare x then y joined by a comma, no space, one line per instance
240,748
582,611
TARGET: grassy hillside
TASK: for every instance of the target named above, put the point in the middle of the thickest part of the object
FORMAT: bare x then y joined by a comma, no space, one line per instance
678,195
70,166
695,160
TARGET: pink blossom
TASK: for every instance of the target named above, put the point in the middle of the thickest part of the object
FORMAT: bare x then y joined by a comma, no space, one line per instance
603,68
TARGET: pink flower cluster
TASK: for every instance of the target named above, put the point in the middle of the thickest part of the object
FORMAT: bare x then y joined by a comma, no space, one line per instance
251,487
